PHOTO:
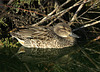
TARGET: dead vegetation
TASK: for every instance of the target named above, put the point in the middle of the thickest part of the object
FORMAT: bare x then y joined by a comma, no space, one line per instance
82,15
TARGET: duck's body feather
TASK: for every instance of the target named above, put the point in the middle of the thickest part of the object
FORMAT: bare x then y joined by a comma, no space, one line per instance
42,37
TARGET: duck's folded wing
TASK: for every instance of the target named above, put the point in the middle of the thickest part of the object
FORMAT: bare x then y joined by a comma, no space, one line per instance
33,33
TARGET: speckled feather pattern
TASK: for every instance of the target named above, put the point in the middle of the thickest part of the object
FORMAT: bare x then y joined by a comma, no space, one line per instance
42,37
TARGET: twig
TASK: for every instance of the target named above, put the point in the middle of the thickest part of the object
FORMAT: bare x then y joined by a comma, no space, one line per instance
5,8
4,11
87,25
93,19
58,7
63,12
79,8
85,19
79,63
93,12
90,20
55,19
98,52
47,17
27,67
89,58
97,38
88,9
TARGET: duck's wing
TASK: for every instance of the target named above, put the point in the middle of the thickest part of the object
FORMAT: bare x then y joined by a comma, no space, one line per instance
42,33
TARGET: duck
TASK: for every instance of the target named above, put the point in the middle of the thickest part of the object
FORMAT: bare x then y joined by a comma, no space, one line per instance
57,36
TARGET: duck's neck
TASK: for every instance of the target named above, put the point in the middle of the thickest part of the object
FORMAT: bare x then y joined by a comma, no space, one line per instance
66,41
70,40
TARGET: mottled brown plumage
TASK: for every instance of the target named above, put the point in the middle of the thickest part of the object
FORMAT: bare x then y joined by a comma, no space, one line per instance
59,36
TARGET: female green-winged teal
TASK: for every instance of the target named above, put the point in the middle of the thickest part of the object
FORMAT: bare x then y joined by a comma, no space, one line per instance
59,36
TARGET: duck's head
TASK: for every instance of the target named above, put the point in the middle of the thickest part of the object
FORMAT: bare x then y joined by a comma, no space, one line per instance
64,30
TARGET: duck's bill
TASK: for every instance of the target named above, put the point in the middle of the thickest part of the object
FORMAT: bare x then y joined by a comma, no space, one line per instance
74,35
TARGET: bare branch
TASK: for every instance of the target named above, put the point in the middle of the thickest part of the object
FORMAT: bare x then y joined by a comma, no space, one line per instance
93,12
46,18
93,19
27,67
88,9
76,13
87,25
89,59
98,52
63,12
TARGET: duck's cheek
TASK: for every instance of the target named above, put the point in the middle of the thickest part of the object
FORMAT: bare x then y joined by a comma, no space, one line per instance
63,35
